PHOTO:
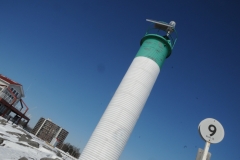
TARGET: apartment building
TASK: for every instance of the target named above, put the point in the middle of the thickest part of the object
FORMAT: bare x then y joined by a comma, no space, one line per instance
50,132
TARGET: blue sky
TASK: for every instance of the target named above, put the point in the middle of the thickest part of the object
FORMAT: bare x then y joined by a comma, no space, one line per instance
70,57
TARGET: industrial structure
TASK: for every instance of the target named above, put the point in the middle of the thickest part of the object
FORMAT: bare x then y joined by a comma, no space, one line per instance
11,93
116,125
50,132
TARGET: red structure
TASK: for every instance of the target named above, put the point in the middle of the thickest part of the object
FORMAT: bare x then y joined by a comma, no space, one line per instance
11,93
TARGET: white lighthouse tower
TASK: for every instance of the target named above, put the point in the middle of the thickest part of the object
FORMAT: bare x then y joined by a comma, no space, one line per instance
116,125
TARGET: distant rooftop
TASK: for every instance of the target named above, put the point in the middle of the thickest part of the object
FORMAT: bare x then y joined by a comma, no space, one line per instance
49,119
8,80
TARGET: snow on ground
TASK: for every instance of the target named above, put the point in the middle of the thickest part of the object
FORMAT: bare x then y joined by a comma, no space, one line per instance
18,144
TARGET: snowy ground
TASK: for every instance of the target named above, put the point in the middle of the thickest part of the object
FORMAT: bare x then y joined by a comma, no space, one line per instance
18,144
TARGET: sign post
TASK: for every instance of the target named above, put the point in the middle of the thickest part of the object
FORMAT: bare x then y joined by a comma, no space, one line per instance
200,154
205,151
211,131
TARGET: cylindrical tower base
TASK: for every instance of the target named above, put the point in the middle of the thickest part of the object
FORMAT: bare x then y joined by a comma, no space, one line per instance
114,128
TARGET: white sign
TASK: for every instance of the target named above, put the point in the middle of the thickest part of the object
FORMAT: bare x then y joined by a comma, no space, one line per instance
211,130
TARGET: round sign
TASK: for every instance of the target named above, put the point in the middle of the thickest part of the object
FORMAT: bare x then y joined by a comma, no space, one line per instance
211,130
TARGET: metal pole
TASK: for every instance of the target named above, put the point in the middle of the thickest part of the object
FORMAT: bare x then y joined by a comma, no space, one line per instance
205,152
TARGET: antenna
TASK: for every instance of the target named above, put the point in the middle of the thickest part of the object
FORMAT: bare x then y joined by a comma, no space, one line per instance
169,28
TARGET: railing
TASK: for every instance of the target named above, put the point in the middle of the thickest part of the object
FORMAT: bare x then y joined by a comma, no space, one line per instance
6,97
172,37
24,104
11,101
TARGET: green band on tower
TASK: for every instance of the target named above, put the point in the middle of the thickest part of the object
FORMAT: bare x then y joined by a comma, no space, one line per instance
155,47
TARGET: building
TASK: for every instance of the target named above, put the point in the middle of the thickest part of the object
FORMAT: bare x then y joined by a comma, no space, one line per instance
50,132
11,93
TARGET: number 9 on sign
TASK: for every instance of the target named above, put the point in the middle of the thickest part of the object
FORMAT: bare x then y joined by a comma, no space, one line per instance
211,130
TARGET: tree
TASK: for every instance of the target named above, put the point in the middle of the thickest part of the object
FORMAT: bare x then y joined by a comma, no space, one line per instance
71,149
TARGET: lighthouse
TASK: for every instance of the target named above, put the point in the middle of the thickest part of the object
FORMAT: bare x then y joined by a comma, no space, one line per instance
117,122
